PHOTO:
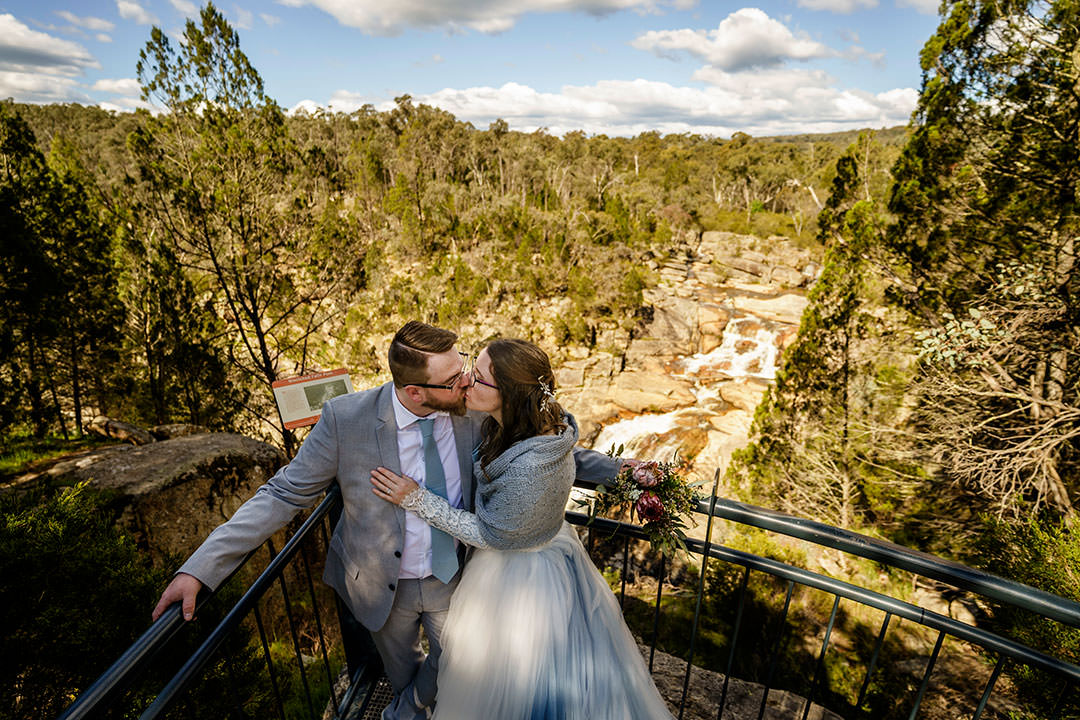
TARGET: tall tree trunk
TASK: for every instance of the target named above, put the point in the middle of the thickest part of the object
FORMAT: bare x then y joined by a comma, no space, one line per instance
76,386
37,402
50,381
96,372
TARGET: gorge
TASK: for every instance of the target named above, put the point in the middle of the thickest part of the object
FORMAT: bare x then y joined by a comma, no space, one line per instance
692,376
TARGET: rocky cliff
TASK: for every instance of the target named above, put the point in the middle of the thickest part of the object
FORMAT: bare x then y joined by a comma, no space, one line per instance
174,492
707,347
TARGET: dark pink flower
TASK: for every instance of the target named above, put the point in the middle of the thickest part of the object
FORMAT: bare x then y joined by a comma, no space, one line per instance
647,474
649,507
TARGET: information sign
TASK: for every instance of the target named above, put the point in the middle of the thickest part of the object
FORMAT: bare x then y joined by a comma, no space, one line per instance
300,399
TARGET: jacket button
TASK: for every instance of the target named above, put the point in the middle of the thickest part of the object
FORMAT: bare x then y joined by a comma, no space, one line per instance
392,586
397,553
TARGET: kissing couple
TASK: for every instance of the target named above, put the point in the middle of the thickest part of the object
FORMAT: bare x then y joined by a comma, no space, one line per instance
455,476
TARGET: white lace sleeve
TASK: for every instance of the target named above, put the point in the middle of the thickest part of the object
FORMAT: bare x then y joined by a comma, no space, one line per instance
436,511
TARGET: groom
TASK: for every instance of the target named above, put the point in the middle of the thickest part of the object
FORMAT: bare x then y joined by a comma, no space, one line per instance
388,567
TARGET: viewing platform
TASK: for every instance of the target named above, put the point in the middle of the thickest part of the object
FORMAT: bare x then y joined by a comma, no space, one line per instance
727,634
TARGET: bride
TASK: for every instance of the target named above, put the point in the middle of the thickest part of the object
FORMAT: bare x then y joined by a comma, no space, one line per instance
533,631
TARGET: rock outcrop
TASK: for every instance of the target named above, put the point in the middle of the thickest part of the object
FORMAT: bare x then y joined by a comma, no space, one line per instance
173,492
117,430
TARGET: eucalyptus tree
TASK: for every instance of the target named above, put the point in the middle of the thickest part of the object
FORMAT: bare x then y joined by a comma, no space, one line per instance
986,204
223,183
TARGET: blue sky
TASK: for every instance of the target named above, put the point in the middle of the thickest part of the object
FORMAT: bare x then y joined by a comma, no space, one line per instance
618,67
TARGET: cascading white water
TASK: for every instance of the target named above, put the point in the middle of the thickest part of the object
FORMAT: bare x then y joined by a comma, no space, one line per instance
748,349
634,434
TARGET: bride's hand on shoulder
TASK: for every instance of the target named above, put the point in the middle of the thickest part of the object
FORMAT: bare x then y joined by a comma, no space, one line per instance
390,486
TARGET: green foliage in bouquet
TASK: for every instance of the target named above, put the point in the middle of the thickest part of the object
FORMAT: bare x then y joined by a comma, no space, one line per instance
657,495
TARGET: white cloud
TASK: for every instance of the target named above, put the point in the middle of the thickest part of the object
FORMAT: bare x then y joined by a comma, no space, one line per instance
1009,31
378,17
843,7
777,81
926,7
744,39
770,102
128,104
243,19
857,52
40,88
185,7
119,86
270,20
433,60
308,107
90,23
23,50
102,37
130,10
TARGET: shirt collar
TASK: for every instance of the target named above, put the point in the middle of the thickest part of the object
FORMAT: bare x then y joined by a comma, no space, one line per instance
406,417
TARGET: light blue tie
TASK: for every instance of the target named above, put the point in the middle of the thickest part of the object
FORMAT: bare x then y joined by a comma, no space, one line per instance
444,562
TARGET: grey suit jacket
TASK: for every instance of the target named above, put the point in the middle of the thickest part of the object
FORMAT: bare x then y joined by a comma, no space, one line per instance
356,433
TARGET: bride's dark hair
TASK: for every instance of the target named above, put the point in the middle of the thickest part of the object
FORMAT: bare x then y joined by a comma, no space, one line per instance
526,385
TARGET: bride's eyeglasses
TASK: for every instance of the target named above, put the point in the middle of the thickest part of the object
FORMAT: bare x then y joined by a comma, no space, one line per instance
475,380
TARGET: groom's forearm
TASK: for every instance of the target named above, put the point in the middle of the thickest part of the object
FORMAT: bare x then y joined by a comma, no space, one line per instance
595,468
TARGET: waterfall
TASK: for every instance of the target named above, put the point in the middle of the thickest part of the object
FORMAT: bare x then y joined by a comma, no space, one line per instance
748,349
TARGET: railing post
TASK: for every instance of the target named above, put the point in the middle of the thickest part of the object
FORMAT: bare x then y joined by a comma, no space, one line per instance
926,676
778,646
819,671
873,660
700,595
656,610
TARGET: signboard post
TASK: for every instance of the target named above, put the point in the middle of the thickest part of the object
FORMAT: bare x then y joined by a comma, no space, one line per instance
300,399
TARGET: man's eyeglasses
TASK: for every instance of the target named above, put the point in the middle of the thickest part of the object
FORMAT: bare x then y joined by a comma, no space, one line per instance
452,383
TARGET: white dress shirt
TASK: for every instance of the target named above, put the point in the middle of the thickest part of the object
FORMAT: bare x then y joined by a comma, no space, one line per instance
416,555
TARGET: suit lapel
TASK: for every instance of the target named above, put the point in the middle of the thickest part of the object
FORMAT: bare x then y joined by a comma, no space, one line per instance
386,437
463,439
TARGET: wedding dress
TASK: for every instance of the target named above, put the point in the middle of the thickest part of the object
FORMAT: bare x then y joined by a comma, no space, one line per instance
534,632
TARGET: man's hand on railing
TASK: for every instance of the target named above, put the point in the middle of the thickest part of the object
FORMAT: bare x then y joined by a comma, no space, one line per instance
183,588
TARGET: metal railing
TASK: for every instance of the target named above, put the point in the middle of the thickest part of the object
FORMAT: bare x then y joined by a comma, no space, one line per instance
1000,650
108,689
364,667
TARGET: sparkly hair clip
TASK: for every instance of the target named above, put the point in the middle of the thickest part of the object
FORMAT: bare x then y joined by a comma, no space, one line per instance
549,394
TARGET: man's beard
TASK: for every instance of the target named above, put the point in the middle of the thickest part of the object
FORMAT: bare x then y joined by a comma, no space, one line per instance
455,407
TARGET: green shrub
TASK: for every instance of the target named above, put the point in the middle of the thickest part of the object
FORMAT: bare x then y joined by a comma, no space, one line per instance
75,594
1046,555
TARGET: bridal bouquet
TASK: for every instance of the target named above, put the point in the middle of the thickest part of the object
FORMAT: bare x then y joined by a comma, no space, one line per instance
660,498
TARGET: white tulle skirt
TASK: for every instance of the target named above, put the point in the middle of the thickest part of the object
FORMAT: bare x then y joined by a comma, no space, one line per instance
538,635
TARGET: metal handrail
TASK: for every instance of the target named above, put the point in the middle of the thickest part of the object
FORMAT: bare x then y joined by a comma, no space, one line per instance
952,573
133,662
202,655
126,669
861,595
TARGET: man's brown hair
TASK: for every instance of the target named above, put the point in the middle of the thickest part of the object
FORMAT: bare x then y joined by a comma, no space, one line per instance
410,348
